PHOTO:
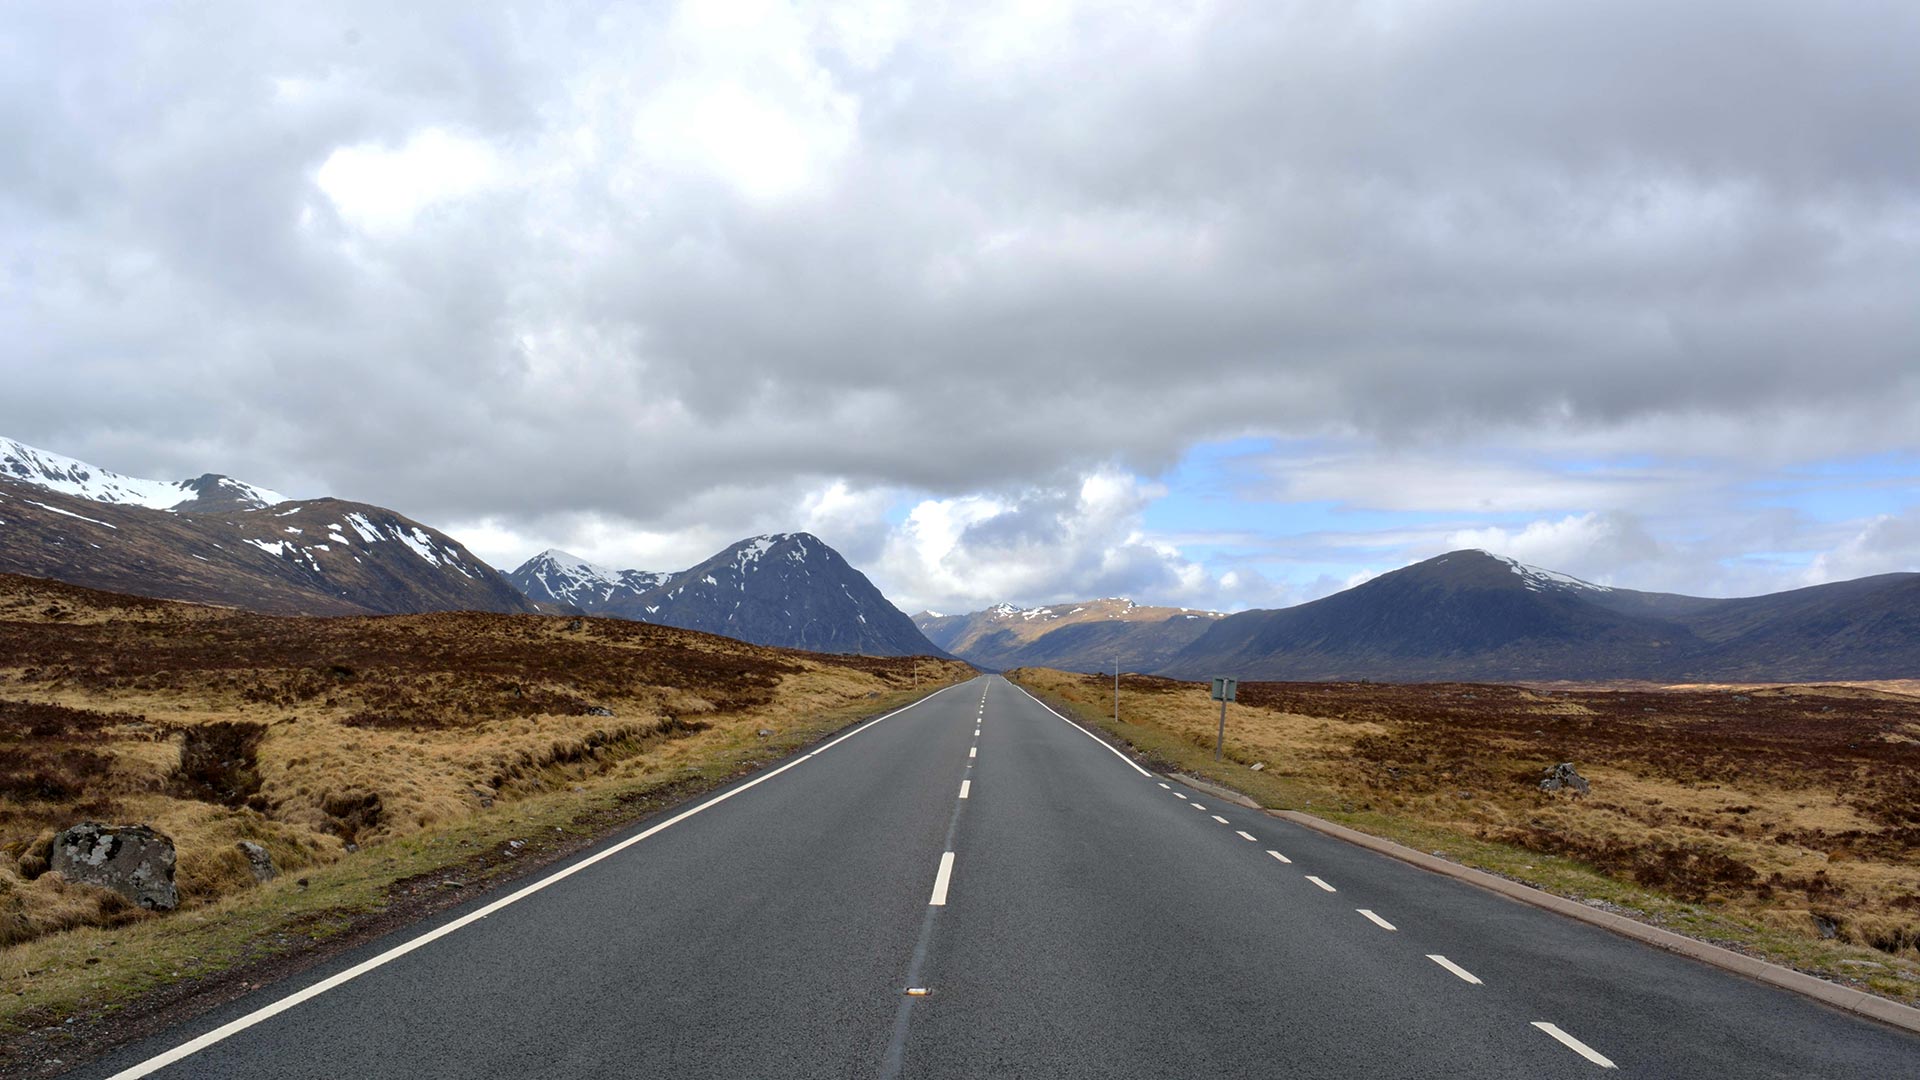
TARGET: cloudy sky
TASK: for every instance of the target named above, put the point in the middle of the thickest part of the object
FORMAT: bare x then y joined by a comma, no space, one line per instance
1209,303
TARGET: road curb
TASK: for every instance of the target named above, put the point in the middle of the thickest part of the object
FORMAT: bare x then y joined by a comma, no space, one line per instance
1858,1002
1216,790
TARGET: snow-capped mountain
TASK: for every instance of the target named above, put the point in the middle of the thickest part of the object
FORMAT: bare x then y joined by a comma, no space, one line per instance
553,576
1086,635
70,476
216,540
785,589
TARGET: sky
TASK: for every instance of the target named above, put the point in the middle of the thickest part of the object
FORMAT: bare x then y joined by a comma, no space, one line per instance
1212,304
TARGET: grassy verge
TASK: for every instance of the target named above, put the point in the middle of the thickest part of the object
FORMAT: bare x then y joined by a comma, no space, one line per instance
1311,768
89,974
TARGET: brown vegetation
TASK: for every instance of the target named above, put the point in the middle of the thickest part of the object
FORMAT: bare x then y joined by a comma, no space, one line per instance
1796,807
313,736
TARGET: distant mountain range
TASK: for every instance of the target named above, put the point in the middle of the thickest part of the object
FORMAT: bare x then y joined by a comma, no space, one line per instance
1471,615
221,541
1086,635
785,589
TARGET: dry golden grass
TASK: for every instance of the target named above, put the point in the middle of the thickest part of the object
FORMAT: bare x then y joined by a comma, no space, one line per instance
313,737
1794,809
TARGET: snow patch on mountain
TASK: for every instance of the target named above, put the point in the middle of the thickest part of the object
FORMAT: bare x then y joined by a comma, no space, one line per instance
1538,580
71,476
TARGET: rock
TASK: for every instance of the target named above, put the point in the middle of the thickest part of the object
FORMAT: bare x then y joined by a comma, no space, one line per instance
1257,766
258,860
599,710
1563,777
764,732
1828,928
132,860
575,626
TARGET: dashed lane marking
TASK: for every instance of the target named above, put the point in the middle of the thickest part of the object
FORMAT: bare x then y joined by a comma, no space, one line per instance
1245,835
1465,975
941,880
1279,856
1376,920
965,786
1220,819
1322,884
1576,1045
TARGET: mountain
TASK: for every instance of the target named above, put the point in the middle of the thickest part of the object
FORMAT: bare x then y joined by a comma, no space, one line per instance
68,476
1087,635
221,541
786,589
553,576
1471,615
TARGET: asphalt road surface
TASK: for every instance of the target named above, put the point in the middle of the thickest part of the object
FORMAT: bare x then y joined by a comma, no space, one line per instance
1069,915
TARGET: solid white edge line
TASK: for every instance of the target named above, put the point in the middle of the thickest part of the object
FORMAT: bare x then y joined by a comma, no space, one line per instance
1084,731
1576,1045
965,785
1376,920
1279,856
1220,819
941,880
267,1012
1463,973
1322,884
1245,835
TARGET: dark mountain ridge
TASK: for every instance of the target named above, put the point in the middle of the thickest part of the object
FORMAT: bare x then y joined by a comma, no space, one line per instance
1470,615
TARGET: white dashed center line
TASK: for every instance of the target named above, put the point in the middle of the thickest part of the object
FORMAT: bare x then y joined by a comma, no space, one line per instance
1464,974
1322,884
1219,819
965,786
1576,1045
973,751
1245,835
941,880
1279,856
1196,806
1376,920
1165,786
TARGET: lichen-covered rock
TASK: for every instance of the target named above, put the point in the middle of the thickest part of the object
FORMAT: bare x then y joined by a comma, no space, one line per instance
132,860
1562,777
259,860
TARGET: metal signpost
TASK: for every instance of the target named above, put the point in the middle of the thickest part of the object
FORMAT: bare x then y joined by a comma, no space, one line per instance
1223,692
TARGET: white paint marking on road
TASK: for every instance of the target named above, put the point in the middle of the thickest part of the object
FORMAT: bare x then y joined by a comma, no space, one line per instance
965,786
1322,884
973,751
941,880
1165,786
1279,856
1220,819
1376,920
1196,806
1576,1045
1085,732
267,1012
976,733
1464,974
1245,835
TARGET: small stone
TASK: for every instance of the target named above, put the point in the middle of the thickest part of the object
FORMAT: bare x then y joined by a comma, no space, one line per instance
259,860
1257,766
132,860
764,732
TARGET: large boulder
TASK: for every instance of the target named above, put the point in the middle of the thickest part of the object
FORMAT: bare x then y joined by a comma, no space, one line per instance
132,860
1562,777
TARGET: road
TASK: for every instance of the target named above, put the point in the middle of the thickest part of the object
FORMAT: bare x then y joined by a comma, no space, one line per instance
1069,914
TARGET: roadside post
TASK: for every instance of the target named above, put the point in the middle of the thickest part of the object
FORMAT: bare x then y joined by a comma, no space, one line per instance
1116,688
1224,690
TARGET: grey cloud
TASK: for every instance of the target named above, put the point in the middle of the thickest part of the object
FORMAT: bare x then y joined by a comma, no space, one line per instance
1508,218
